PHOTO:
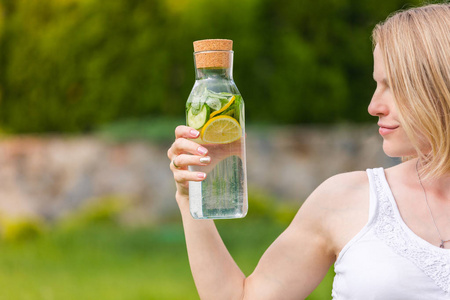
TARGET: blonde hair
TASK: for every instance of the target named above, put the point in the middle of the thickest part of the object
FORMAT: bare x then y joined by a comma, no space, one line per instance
415,46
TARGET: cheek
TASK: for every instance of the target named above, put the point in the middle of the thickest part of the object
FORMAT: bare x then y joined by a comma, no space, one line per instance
424,144
419,139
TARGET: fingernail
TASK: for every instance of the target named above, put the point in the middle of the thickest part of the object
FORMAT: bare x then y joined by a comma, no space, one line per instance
202,150
194,133
201,175
205,160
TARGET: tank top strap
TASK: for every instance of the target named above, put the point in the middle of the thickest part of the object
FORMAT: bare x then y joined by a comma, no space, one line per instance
375,190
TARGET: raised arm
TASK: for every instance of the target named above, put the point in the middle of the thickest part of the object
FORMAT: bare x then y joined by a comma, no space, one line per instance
291,267
215,273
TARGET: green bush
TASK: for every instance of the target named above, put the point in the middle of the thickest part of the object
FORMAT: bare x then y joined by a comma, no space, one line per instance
264,206
156,129
100,211
18,229
73,65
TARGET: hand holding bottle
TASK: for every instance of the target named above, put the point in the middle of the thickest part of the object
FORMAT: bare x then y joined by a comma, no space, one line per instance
185,152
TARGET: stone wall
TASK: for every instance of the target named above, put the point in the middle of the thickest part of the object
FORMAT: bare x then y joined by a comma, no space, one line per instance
50,176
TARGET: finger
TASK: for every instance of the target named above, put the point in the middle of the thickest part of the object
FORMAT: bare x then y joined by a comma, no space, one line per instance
182,161
183,145
182,176
175,165
186,132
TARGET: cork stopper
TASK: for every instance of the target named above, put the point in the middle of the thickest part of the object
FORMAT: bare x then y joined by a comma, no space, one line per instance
213,53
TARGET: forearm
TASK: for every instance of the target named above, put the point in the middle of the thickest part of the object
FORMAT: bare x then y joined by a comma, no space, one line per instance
215,273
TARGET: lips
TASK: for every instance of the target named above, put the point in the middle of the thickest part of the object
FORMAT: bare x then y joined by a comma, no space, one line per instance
386,129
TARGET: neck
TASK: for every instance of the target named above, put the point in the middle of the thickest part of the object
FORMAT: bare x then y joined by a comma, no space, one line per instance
437,186
441,202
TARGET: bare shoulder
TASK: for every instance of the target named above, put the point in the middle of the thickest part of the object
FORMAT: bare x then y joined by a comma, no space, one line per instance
341,189
339,207
347,180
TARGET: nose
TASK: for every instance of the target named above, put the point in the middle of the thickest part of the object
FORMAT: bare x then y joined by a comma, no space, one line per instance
377,106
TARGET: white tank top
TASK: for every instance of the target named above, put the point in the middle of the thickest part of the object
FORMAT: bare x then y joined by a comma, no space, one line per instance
386,260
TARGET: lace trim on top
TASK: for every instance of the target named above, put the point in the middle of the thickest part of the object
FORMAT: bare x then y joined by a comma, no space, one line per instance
433,261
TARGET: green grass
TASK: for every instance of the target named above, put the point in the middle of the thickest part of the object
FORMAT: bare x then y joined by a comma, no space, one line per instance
108,262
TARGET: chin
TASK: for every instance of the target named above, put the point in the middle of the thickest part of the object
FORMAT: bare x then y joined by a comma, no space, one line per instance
398,151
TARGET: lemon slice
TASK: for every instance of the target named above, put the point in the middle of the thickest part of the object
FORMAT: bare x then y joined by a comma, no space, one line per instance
223,108
221,130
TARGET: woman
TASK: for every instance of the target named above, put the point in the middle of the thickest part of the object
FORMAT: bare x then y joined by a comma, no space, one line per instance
387,231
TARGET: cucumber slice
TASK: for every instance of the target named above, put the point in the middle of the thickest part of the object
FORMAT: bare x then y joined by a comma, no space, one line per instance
197,120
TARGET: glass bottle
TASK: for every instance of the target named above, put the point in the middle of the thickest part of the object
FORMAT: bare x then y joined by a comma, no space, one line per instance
216,109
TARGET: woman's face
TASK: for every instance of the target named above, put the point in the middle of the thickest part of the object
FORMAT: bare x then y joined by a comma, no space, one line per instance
395,141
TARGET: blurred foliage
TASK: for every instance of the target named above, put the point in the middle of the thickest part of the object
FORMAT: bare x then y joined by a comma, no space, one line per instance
157,129
20,229
73,65
100,211
265,206
104,210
